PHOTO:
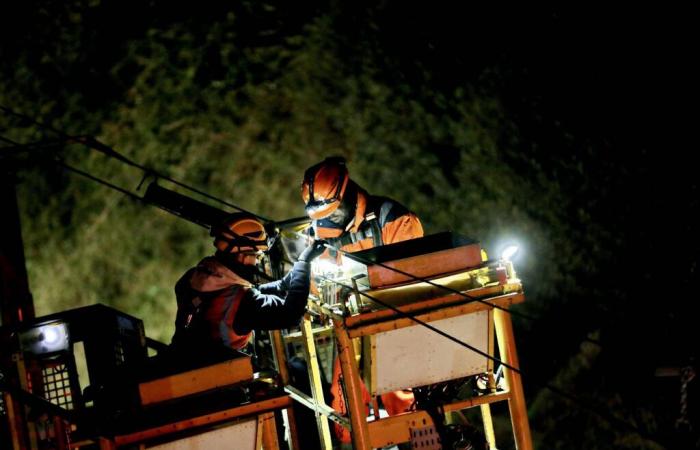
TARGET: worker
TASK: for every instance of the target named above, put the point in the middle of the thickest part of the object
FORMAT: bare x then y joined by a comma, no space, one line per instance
350,219
218,304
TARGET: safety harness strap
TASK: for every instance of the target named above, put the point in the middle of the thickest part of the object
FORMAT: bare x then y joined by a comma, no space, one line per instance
371,228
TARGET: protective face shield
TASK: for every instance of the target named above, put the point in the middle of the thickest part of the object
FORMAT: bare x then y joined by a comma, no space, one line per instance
240,233
324,186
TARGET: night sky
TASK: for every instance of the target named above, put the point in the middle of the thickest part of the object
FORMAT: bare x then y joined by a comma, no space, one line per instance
611,88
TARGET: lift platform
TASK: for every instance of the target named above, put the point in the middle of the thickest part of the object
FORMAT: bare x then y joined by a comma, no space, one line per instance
83,379
413,315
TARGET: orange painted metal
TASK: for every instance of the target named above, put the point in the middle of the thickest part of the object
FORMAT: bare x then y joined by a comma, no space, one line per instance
207,419
492,292
106,444
394,323
61,433
516,403
269,432
476,401
353,389
424,266
193,381
12,411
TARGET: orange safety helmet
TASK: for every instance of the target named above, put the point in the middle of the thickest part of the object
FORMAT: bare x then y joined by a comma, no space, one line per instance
324,186
240,233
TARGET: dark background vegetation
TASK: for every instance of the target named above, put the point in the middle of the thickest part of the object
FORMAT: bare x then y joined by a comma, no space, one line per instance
565,129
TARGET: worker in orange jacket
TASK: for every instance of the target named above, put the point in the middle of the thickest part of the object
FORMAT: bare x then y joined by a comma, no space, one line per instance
347,217
218,305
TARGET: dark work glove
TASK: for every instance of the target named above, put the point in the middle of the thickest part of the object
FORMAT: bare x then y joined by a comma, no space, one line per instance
313,251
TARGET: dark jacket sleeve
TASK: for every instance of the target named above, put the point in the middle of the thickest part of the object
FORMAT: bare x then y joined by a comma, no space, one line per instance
263,310
183,295
279,287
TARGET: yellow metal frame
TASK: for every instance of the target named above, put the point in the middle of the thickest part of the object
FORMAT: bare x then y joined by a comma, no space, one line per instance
279,355
392,430
309,346
368,324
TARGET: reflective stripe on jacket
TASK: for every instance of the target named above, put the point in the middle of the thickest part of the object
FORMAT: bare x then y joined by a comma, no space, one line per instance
393,219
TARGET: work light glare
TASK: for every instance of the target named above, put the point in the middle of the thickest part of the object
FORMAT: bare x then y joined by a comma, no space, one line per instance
508,252
324,266
51,335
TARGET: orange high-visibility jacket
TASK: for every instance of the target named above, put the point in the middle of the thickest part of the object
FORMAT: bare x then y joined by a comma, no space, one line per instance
396,224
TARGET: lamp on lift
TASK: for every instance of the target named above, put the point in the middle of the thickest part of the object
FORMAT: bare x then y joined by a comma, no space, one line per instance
46,338
507,255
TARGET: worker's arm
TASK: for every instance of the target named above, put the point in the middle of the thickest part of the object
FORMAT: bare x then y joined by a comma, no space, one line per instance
282,303
269,311
279,287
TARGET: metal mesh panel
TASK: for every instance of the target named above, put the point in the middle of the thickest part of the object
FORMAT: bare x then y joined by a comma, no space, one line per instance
3,411
57,387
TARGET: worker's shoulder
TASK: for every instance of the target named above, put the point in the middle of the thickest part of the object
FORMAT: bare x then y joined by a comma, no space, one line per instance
386,209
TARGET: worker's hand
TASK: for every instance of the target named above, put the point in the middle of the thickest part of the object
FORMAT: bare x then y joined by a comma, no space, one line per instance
313,251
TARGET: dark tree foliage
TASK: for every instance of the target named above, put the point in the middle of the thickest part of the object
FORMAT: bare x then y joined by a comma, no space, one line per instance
561,128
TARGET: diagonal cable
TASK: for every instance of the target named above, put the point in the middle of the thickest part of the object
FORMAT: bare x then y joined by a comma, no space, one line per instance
426,325
93,143
413,277
470,298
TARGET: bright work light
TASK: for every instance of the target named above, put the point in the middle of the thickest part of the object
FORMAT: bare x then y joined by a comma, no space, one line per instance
47,338
509,251
324,266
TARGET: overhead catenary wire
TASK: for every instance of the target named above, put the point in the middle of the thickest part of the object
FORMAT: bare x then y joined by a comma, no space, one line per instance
470,298
443,287
426,325
59,162
82,173
92,143
17,148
